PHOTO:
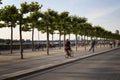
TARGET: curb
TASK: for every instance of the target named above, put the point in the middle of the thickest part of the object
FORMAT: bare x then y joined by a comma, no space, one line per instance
23,73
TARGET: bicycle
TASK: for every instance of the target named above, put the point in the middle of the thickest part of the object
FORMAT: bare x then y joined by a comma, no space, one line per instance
69,53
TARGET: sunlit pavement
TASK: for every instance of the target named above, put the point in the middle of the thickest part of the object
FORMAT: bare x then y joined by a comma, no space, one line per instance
12,66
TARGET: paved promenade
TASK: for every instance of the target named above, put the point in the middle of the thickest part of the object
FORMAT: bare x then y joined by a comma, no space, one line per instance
11,66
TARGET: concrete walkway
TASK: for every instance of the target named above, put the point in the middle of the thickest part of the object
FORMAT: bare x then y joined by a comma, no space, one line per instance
11,66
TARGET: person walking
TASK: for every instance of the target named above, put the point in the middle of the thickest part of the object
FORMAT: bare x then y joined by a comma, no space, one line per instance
92,45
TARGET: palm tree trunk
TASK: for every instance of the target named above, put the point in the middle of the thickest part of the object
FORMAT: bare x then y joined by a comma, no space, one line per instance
96,42
52,38
33,39
64,39
47,44
69,36
103,42
100,42
38,36
60,41
84,42
76,41
11,42
21,44
87,41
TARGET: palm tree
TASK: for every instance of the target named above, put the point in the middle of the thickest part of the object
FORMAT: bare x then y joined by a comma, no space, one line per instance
23,10
52,33
76,26
63,24
9,16
54,16
99,32
87,32
48,23
59,28
34,16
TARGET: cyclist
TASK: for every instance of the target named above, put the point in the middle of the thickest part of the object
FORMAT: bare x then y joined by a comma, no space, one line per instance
68,48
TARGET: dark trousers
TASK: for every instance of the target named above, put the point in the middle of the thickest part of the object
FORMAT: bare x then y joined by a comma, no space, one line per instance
92,48
68,51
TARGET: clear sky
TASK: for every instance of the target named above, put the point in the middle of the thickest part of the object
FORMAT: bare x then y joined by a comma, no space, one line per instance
105,13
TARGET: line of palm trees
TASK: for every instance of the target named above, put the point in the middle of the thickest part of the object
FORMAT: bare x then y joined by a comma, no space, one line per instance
30,16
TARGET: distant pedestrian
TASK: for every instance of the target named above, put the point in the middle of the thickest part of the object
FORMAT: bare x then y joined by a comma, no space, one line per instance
92,45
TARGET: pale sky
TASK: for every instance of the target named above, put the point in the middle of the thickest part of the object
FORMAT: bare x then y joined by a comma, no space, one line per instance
105,13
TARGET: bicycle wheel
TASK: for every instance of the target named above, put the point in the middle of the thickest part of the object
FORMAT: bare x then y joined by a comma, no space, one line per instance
71,53
67,55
